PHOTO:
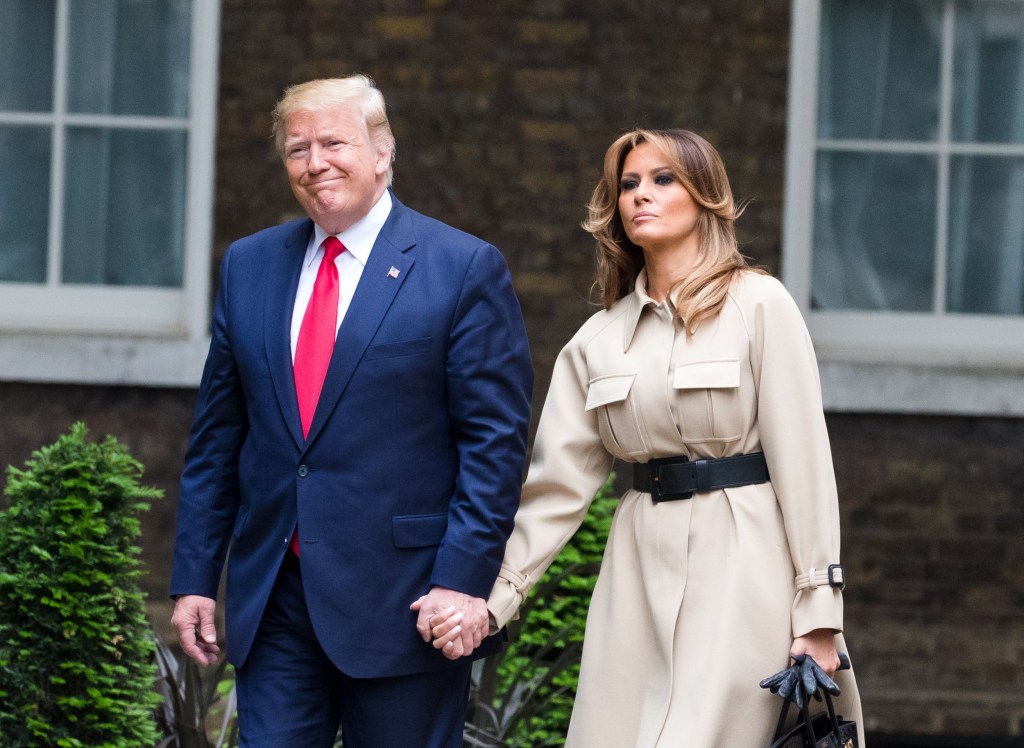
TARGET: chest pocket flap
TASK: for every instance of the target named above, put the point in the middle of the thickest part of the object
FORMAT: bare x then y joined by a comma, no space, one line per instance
706,375
609,389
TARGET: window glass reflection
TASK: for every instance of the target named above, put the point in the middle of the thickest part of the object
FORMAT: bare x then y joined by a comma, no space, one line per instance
874,219
129,57
24,202
124,207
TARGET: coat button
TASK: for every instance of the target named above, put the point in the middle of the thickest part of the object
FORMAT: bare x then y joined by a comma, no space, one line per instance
303,471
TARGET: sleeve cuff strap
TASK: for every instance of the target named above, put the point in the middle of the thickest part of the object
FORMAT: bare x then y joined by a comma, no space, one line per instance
510,589
834,576
520,582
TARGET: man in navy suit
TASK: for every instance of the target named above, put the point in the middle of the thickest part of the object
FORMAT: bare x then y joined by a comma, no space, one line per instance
352,520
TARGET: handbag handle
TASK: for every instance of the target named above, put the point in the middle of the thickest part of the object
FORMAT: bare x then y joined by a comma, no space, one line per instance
779,736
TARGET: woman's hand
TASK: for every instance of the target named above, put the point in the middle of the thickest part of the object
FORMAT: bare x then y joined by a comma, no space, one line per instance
821,645
451,621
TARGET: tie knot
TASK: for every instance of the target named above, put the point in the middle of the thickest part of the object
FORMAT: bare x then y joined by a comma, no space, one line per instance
332,248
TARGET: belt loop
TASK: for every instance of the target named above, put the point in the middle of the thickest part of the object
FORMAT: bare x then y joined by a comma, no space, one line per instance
702,475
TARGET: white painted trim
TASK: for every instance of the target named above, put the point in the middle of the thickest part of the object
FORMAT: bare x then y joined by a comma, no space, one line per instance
77,359
106,121
198,258
798,203
889,388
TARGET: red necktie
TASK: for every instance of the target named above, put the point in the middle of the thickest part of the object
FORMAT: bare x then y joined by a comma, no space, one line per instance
316,340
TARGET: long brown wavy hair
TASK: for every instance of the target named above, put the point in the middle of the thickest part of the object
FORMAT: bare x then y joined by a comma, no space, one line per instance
696,164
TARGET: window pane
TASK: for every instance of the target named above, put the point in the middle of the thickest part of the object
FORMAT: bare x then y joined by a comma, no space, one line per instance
874,232
26,62
124,207
24,202
988,87
129,57
879,69
986,235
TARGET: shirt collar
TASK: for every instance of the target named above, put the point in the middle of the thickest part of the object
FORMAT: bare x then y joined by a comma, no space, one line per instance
636,302
358,238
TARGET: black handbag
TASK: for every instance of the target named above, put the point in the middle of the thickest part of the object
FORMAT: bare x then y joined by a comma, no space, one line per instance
823,730
802,683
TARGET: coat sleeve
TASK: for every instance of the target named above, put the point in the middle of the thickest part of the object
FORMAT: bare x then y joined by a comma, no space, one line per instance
209,497
568,466
796,447
490,382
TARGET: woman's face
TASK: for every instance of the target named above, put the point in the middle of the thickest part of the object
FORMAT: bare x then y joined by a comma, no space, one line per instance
657,212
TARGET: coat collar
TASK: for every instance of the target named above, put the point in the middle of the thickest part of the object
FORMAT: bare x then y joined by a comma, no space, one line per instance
284,263
636,302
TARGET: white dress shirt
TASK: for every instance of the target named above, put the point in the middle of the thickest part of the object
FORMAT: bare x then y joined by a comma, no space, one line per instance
358,240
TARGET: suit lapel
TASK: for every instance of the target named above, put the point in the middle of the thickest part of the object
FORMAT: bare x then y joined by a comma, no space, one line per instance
386,270
282,279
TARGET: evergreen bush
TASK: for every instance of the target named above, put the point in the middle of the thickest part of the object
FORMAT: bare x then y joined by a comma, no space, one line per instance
523,697
77,661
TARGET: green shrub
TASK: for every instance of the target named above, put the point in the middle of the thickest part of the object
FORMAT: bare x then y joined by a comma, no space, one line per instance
523,698
76,655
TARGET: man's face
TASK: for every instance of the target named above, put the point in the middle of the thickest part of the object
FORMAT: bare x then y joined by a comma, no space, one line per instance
335,171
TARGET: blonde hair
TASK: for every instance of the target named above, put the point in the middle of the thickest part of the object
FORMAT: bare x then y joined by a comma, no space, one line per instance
357,91
699,168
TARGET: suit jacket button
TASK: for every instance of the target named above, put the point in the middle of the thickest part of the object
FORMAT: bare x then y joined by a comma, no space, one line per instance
303,471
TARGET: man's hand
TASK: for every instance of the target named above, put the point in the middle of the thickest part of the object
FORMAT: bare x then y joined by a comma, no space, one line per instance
456,622
193,620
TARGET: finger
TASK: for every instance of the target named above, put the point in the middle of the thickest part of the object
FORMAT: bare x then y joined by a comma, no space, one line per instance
467,640
197,650
826,682
418,604
187,639
207,629
787,686
455,635
453,650
807,677
447,624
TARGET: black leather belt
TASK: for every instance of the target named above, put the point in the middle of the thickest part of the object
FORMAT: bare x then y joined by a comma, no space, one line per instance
672,478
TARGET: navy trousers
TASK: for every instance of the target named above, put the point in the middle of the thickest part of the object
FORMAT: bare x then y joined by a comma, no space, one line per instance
290,693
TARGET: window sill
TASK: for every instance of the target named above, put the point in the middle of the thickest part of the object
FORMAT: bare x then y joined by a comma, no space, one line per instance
906,388
63,359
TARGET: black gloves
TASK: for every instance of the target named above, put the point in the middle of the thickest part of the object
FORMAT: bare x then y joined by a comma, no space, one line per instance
802,679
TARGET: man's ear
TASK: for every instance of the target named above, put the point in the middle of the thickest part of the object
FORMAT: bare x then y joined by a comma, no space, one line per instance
383,162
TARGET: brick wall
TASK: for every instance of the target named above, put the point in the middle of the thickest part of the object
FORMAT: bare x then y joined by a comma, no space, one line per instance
502,111
933,524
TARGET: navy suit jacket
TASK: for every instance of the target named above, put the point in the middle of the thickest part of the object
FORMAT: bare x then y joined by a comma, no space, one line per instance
411,472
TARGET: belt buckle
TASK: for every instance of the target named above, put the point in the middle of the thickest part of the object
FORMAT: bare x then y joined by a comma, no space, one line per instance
657,495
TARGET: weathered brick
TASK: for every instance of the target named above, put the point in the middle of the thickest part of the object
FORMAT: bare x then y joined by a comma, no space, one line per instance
561,132
552,32
403,28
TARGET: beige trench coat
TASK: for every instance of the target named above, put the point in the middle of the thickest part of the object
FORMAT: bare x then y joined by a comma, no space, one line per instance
697,600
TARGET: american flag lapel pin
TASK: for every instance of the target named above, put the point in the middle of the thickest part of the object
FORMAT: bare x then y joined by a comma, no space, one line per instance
393,272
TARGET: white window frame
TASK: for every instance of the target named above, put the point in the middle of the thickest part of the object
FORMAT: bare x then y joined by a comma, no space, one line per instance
938,362
56,332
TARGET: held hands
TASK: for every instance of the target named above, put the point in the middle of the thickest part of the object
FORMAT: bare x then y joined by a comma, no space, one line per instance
455,622
193,620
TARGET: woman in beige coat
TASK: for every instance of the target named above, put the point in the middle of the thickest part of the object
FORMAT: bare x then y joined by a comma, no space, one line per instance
711,581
